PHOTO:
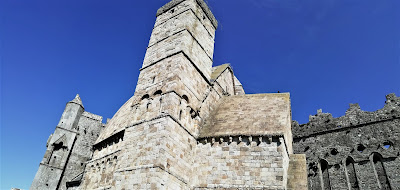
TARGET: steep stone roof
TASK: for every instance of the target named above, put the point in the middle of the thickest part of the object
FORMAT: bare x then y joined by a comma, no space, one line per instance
121,119
77,100
217,70
254,114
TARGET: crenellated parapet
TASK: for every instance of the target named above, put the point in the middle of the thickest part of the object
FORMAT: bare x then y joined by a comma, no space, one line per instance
359,149
354,117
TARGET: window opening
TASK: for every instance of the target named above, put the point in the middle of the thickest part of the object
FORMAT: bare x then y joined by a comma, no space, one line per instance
325,175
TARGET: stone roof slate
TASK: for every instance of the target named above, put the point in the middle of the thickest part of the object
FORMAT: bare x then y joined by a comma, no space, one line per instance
251,114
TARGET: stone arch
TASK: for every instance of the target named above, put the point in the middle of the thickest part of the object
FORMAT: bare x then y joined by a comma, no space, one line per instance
185,98
146,96
380,172
351,174
158,92
325,182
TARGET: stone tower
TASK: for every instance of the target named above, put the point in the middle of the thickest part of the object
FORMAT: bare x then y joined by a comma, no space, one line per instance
190,125
68,148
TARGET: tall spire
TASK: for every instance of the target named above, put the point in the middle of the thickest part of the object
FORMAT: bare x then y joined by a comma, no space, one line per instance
77,100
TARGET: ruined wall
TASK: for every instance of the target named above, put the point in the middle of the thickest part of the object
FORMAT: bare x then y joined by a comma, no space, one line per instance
357,151
158,125
160,145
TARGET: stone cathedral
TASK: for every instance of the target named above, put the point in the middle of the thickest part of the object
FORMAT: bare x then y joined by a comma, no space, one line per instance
190,125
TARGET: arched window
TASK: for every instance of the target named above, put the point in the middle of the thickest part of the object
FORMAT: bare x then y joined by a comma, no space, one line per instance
380,171
185,98
146,96
158,92
325,185
351,173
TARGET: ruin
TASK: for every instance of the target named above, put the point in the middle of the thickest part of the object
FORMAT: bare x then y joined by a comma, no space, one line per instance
356,151
190,125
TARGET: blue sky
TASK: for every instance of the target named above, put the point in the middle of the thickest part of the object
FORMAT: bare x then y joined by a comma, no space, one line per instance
327,54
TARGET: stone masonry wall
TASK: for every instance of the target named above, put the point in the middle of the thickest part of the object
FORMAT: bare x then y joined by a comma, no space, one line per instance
242,162
359,150
225,82
89,127
297,172
68,148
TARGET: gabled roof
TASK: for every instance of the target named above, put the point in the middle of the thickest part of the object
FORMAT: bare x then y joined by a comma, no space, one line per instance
254,114
218,70
62,139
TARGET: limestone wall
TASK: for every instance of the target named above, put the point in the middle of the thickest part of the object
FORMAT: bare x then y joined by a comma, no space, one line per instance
238,87
175,73
184,27
358,150
180,42
258,162
186,20
68,148
89,127
225,82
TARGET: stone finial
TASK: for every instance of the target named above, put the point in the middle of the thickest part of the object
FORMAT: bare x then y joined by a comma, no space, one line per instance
77,100
319,111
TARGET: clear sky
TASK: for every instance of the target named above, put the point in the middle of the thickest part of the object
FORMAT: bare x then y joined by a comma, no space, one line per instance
326,53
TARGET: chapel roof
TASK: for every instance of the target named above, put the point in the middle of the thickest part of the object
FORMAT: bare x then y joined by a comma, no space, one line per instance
218,70
251,114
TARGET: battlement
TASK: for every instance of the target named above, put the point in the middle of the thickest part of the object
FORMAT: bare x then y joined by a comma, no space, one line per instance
354,117
359,149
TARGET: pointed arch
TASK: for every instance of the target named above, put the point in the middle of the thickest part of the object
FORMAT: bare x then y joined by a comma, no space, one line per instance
380,171
185,98
351,174
325,182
